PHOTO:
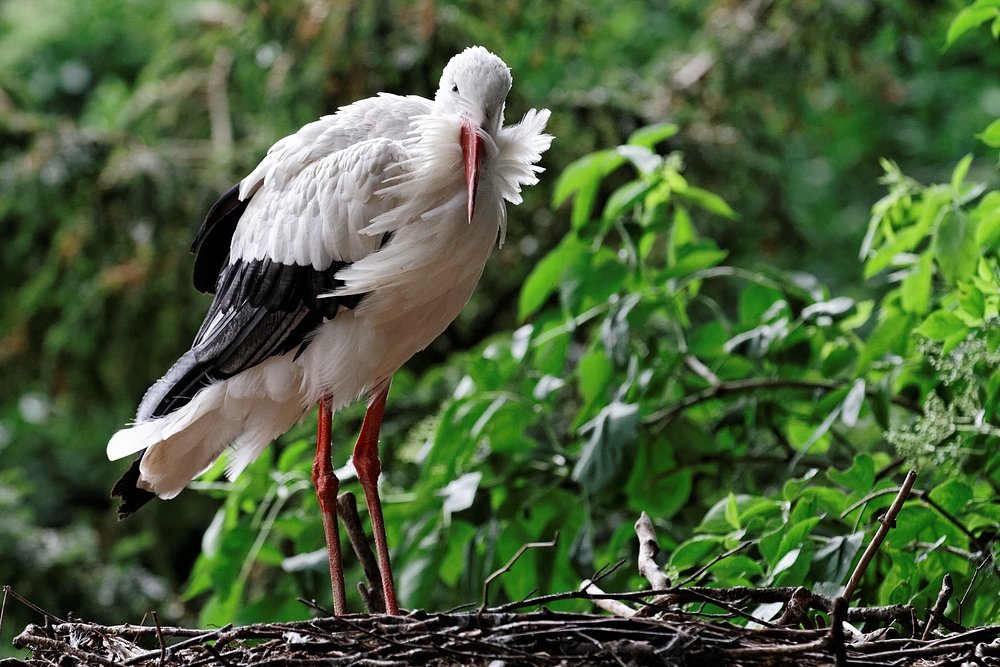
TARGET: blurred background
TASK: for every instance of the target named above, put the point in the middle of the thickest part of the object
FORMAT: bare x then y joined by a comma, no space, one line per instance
122,121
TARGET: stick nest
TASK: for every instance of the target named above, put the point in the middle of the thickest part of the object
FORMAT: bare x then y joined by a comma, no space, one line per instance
491,639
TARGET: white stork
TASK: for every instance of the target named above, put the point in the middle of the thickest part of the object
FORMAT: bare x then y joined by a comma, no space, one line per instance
351,246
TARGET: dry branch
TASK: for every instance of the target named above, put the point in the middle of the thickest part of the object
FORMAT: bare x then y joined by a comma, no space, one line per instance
648,548
888,521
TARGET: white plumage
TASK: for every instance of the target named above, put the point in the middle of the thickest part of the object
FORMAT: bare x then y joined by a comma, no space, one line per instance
348,249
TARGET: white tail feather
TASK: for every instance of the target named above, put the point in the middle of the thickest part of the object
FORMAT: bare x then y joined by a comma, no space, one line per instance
240,412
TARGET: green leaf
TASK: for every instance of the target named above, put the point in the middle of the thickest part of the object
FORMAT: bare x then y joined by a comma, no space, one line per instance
852,404
651,135
695,257
644,159
710,201
460,493
785,563
693,552
793,487
839,553
972,301
916,287
960,171
609,452
756,300
941,324
615,330
582,178
804,437
953,495
967,19
593,374
736,568
545,277
859,477
991,135
587,171
624,198
732,512
890,334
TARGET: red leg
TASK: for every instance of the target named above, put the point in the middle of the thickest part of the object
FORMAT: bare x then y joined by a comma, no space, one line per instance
369,467
327,487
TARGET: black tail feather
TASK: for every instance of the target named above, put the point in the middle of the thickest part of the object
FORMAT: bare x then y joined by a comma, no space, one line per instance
132,497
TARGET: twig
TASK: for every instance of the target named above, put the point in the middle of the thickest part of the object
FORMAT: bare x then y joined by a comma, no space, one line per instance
347,510
601,574
506,568
701,570
614,606
159,637
734,610
312,604
888,520
648,548
939,606
3,607
779,651
663,417
867,499
7,590
926,498
972,581
948,549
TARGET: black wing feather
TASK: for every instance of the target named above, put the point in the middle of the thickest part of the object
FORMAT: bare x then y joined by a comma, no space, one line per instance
262,308
213,239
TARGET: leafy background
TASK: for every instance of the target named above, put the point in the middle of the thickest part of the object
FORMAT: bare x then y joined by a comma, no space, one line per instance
679,324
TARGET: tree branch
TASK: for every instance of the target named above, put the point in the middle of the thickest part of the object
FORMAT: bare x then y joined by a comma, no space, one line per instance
662,418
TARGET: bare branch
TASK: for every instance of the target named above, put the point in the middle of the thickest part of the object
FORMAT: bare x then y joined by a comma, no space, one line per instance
888,521
648,548
506,568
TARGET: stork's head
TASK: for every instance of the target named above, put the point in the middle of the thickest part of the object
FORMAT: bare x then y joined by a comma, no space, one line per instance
474,85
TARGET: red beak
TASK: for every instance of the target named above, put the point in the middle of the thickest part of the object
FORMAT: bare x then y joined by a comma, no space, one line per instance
472,151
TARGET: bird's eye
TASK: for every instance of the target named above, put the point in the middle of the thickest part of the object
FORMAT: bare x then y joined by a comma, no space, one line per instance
454,87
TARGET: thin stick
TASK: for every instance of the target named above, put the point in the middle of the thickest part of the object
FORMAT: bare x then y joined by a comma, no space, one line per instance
701,570
971,582
506,568
159,638
926,498
663,417
939,606
888,520
347,510
3,606
7,590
